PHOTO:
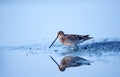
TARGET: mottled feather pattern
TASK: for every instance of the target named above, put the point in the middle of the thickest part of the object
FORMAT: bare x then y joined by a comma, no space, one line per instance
70,61
71,39
74,39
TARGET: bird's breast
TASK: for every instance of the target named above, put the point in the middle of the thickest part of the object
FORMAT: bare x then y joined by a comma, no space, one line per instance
66,41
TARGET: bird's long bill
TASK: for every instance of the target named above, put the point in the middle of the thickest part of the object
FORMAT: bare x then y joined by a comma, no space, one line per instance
53,41
54,60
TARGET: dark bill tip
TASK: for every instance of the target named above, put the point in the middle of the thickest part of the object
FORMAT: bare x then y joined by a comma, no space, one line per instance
54,60
53,42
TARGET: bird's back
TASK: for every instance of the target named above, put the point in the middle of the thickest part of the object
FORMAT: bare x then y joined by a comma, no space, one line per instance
72,39
70,61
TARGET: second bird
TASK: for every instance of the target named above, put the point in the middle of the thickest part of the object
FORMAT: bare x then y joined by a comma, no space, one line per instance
71,39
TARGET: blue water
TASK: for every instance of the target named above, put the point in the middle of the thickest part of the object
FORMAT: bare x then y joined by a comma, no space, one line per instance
34,60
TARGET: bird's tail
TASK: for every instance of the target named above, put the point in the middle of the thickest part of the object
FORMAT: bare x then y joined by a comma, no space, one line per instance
87,37
88,62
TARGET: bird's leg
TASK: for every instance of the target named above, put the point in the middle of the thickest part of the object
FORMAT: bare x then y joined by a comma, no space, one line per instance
76,47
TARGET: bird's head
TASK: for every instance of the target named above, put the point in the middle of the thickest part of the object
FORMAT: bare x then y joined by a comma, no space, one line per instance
60,34
62,68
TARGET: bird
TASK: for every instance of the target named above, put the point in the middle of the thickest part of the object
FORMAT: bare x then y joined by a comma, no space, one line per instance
71,39
71,61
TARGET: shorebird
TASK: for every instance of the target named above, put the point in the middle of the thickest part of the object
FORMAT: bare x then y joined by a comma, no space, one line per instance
71,39
70,61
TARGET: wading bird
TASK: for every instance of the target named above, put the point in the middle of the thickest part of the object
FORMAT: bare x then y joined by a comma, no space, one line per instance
71,39
70,61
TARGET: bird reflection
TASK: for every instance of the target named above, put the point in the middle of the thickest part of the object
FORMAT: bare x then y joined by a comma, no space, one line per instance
71,61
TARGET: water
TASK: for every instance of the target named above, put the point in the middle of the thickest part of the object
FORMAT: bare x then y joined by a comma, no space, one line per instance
27,28
29,61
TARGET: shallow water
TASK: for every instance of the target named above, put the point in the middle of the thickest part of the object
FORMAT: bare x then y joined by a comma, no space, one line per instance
29,61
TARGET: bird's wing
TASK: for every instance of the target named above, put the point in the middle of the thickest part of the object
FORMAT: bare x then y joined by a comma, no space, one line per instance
82,61
80,58
72,37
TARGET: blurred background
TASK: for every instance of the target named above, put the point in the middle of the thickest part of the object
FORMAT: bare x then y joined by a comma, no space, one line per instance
31,21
